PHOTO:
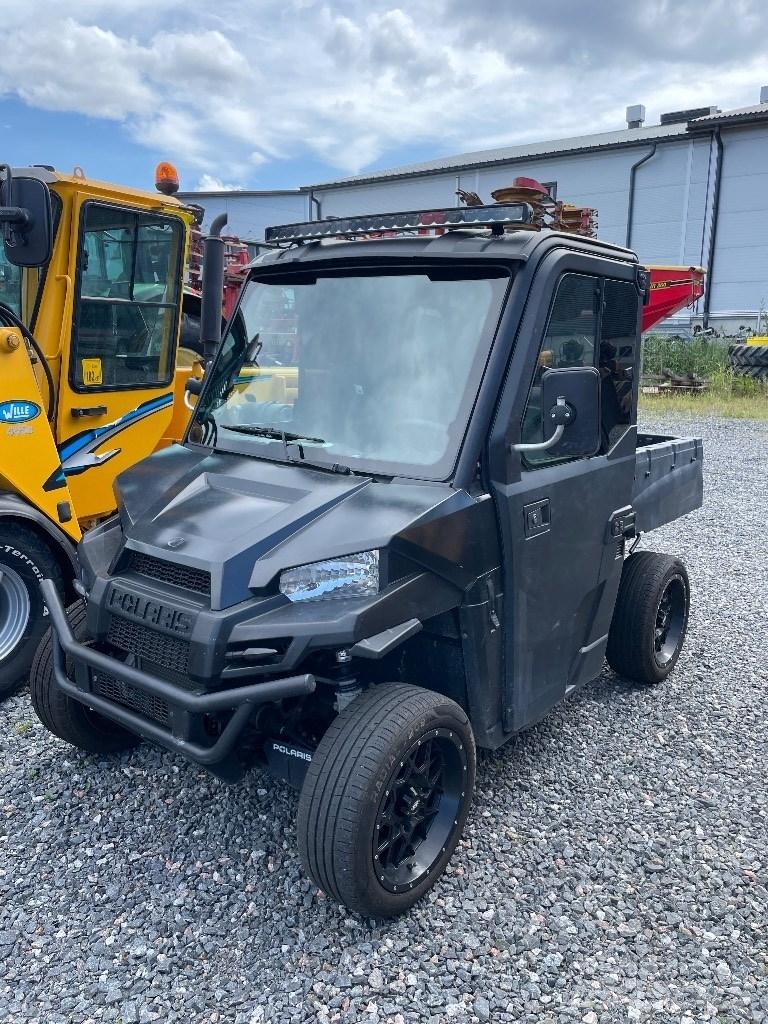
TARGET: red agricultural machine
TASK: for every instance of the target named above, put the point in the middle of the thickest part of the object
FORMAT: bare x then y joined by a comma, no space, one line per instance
672,288
236,259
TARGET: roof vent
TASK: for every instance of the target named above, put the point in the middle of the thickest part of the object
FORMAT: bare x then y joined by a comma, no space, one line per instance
764,94
682,116
635,116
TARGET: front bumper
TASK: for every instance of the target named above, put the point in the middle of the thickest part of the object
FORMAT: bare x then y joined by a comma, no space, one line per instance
185,708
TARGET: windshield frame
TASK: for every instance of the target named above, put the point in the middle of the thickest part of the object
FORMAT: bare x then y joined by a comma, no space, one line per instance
274,450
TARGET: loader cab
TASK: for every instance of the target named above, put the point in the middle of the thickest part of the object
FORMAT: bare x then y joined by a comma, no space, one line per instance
104,309
91,281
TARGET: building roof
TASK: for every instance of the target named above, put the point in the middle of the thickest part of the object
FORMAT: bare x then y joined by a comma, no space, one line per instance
240,192
509,154
759,112
556,147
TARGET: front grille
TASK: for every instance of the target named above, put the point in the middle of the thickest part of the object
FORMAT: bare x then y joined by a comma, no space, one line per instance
132,697
184,576
158,648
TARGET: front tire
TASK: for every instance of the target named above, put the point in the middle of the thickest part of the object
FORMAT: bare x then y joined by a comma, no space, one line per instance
386,797
66,718
650,618
25,559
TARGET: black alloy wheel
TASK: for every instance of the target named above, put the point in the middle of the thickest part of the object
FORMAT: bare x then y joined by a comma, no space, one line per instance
671,618
419,810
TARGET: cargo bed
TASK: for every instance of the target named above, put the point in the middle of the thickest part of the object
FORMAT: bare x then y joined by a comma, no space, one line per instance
669,479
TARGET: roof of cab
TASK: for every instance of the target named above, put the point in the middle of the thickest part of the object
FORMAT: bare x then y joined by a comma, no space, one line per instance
455,244
53,177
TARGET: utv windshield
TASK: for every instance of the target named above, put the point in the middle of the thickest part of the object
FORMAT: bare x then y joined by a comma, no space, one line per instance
376,372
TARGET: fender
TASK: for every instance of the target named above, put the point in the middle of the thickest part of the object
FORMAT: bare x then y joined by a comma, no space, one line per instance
13,506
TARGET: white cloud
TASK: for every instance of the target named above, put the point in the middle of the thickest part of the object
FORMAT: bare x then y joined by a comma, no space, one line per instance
208,183
223,89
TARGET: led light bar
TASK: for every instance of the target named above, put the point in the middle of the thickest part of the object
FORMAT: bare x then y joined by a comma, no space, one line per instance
495,217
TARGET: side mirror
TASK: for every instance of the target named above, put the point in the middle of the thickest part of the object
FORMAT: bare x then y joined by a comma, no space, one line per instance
26,219
570,405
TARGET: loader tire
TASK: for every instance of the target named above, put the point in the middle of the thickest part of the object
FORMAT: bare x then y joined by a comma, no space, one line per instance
650,617
25,559
66,718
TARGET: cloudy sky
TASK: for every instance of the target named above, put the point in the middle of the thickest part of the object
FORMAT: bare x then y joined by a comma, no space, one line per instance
278,93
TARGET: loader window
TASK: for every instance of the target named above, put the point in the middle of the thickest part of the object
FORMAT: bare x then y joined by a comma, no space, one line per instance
126,316
10,283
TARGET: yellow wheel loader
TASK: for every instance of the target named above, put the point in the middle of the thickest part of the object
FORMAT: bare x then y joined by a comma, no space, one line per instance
91,290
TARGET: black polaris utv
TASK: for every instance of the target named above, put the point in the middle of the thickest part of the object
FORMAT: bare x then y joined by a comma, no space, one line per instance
400,527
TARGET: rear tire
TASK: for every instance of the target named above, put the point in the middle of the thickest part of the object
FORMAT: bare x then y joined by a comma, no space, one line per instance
189,334
25,559
66,718
650,618
386,797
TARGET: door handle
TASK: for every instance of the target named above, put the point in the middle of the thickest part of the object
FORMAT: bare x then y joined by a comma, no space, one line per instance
92,410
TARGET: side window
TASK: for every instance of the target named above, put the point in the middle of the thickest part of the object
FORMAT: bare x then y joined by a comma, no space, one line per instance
618,341
126,312
10,283
569,340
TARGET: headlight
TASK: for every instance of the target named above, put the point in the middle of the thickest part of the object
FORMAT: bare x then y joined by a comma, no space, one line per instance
352,576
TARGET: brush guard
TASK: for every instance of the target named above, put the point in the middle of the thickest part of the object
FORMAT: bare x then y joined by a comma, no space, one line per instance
185,706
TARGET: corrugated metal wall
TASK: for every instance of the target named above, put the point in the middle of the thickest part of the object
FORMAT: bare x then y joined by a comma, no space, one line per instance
248,213
740,280
600,180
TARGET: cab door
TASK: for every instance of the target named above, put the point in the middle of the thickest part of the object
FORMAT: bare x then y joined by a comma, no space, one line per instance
561,521
116,395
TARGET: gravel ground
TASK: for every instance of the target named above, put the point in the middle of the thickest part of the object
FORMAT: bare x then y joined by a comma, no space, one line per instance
614,867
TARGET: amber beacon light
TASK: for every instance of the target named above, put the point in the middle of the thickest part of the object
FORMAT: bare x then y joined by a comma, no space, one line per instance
166,178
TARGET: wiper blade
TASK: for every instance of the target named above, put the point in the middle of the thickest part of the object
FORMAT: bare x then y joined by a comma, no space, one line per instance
271,432
287,437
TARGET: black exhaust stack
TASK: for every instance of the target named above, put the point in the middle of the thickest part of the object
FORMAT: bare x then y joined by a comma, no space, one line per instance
213,288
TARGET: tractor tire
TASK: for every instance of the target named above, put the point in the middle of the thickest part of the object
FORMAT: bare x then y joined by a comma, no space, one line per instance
386,797
749,361
650,618
66,718
25,559
189,335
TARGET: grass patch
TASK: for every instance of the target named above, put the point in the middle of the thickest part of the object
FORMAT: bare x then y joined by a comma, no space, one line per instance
702,356
727,395
737,398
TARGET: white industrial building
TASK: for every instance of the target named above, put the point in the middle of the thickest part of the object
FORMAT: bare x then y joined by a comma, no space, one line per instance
692,190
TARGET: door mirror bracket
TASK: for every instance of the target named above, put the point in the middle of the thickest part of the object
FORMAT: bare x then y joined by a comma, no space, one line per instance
561,414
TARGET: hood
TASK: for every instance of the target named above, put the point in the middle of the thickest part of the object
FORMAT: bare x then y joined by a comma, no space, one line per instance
244,520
